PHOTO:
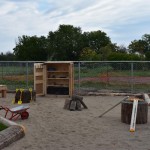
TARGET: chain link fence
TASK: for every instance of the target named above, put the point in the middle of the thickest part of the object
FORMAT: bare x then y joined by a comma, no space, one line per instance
95,76
17,74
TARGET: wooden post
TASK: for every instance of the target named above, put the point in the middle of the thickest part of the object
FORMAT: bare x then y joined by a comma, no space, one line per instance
113,107
3,89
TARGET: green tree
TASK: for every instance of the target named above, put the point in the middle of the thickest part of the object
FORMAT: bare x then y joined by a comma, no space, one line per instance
7,57
105,52
146,38
89,55
31,48
65,43
118,56
2,56
147,55
96,40
139,46
122,49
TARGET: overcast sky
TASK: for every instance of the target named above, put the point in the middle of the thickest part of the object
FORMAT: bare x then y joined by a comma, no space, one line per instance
123,20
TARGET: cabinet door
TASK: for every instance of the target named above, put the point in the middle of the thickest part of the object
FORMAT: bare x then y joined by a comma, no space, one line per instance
39,78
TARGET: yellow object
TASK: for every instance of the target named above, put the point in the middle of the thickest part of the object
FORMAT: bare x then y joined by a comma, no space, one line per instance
21,90
20,102
30,89
132,130
13,101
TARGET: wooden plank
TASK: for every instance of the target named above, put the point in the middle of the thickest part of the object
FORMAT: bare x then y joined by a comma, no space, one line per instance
3,90
3,87
38,78
133,117
38,73
39,82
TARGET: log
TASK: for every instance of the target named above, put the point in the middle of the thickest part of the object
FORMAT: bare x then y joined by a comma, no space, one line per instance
79,98
81,101
10,135
74,103
126,112
72,106
67,104
78,105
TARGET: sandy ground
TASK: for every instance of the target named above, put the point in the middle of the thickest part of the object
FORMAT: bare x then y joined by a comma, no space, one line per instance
50,127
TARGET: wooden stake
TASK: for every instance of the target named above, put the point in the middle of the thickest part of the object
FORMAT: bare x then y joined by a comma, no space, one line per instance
113,106
133,117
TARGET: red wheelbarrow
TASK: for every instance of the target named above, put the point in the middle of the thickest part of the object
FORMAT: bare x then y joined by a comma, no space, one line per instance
16,112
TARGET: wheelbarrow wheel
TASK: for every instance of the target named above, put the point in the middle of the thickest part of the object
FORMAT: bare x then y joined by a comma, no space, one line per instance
24,115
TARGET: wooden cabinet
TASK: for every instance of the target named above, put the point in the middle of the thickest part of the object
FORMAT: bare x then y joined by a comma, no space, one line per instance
39,81
54,78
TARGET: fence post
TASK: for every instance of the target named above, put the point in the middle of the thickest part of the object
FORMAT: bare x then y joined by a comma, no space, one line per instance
107,75
2,71
27,73
78,77
131,77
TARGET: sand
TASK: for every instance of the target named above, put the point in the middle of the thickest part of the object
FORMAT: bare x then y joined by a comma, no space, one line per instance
50,127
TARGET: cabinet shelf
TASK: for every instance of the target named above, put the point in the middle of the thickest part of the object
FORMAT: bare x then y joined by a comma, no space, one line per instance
57,78
58,71
57,85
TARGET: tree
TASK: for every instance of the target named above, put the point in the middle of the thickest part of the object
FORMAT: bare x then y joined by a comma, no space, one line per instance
147,55
31,48
139,46
118,56
65,43
146,38
96,40
2,56
89,55
122,49
7,57
105,52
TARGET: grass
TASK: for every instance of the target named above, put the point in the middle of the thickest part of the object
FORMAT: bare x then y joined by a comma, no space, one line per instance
2,127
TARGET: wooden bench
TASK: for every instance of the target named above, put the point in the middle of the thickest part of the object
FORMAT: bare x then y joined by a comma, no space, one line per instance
3,90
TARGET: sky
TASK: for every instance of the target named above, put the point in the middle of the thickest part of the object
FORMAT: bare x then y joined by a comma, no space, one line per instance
123,20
